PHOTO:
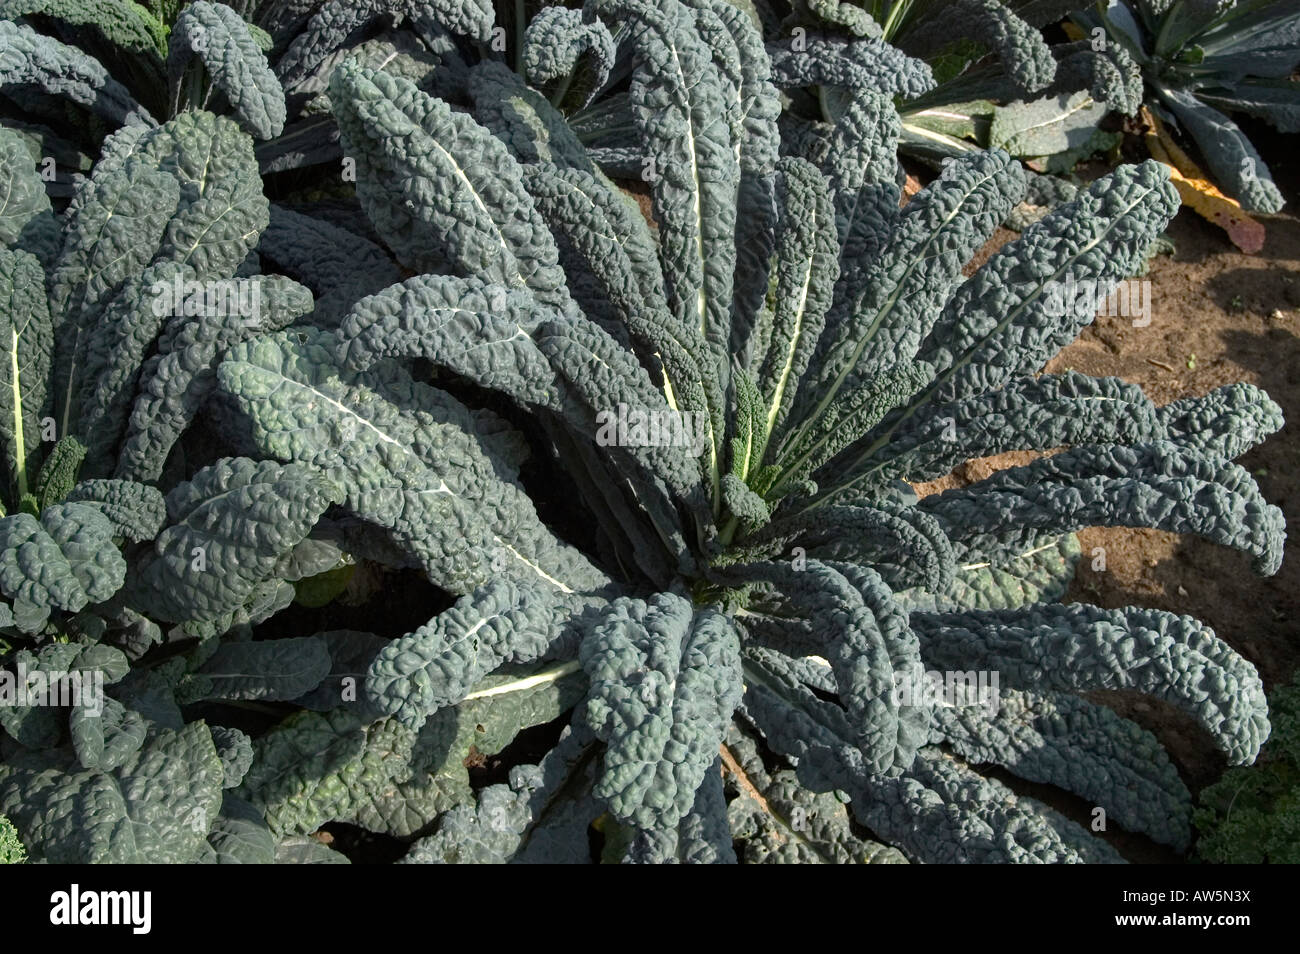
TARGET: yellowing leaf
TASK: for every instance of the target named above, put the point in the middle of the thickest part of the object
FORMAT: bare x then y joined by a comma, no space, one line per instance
1199,193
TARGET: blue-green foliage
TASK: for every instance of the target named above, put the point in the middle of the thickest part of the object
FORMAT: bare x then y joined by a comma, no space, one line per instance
113,542
58,54
1205,61
975,74
869,360
734,397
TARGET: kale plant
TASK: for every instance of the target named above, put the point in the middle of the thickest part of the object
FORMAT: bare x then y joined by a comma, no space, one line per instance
976,74
738,394
1205,59
130,532
146,538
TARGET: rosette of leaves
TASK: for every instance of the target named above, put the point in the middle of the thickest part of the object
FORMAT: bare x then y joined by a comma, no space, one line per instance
1205,60
146,538
138,548
739,394
114,315
976,74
